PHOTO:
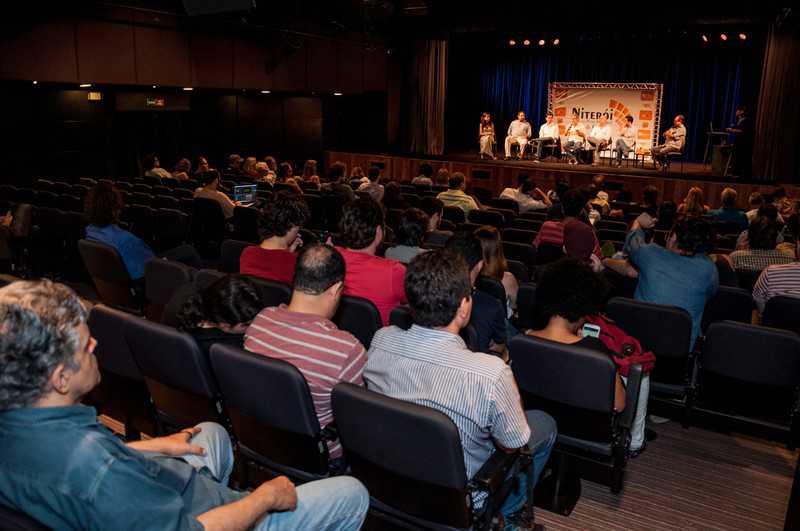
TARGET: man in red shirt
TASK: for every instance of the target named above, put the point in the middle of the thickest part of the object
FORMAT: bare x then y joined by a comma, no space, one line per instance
374,278
279,225
302,332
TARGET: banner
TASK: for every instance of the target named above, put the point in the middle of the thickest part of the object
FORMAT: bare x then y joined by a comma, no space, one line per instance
614,100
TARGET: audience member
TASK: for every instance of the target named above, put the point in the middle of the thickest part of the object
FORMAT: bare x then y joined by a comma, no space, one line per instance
234,168
338,184
310,170
59,465
762,240
302,332
436,236
408,236
579,243
573,203
357,174
210,190
372,187
369,276
249,168
221,312
755,201
153,168
264,174
693,205
728,211
201,165
649,203
429,364
182,170
424,177
285,171
442,177
494,262
393,197
766,210
523,195
784,205
455,195
781,279
488,317
272,164
279,226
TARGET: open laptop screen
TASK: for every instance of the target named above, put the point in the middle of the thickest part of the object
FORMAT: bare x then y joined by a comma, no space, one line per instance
244,193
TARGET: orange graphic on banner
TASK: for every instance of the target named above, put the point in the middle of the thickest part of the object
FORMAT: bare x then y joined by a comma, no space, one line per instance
648,96
645,115
644,134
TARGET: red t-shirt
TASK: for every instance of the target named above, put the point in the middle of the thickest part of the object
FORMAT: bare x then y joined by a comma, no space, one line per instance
270,264
376,279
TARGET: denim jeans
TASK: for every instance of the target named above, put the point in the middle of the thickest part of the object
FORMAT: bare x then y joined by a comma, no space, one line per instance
541,142
572,148
543,436
637,430
338,503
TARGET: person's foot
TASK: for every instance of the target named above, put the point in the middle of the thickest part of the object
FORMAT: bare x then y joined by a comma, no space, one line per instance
507,158
520,521
536,161
633,454
657,420
494,158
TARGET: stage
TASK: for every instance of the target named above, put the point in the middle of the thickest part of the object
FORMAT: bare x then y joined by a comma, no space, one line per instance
498,174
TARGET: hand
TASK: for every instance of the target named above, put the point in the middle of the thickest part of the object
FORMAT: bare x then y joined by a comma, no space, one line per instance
281,492
7,220
538,191
298,242
177,444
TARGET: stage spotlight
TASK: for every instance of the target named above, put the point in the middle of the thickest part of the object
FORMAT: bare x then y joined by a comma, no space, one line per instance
541,42
742,37
337,93
85,85
264,92
526,42
556,41
187,89
154,86
35,82
512,42
723,36
705,38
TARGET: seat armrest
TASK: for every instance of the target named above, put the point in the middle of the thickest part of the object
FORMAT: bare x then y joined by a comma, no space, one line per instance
494,471
631,396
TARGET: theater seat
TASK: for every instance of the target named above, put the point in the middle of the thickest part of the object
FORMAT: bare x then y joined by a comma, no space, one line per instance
230,253
782,312
358,316
109,275
728,304
162,279
245,224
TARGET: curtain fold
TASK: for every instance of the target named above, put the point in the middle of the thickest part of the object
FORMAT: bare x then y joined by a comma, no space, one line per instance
775,154
427,102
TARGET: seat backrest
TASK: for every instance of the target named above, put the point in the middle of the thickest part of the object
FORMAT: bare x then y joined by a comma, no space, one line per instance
245,223
508,215
526,305
163,277
782,312
108,273
454,214
413,463
177,373
519,270
272,293
205,277
401,317
358,316
277,421
666,330
230,252
752,354
548,252
518,235
728,304
107,326
505,204
525,223
521,252
492,287
574,384
171,227
208,220
486,217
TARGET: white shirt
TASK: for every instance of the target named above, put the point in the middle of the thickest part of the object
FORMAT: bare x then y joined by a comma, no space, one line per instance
548,131
628,135
572,133
519,129
525,201
601,131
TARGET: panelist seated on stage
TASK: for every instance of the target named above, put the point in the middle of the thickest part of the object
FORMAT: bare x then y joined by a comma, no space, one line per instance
548,136
486,137
518,133
600,136
626,141
575,138
675,139
526,194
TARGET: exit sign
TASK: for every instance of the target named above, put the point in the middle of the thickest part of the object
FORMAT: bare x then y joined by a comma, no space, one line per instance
155,101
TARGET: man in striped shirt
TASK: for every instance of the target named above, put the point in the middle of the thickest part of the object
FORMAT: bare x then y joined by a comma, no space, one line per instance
430,365
303,334
783,279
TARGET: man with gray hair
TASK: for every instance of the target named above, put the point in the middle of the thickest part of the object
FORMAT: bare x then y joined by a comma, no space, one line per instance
59,465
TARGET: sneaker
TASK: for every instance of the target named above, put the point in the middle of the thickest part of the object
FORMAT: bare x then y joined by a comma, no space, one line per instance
536,161
519,521
633,454
657,420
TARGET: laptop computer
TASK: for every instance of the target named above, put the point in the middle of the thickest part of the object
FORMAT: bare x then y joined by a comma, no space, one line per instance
245,194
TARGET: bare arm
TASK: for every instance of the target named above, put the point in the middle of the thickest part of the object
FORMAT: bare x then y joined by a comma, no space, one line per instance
276,495
543,196
623,267
619,395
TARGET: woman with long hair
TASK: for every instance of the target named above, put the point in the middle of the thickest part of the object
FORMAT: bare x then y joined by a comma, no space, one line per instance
310,170
693,205
494,262
486,136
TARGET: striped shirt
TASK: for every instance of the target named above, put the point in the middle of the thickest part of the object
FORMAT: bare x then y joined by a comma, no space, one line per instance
783,279
553,232
324,354
758,259
434,368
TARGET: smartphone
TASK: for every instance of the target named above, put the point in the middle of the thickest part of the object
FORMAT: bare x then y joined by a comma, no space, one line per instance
590,330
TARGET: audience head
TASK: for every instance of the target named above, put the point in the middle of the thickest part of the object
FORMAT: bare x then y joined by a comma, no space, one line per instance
691,236
373,174
438,289
412,228
650,196
283,217
357,173
319,273
494,261
527,187
599,182
272,164
361,226
763,234
309,169
234,161
629,119
201,164
522,178
694,204
578,240
262,170
249,165
209,179
433,208
465,244
778,193
755,200
284,172
426,170
392,193
728,198
103,205
337,172
574,203
45,346
442,177
457,181
229,303
769,211
151,161
570,290
183,165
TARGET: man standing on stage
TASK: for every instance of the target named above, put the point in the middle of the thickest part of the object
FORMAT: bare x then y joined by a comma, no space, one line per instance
742,133
548,135
518,133
675,140
600,136
626,141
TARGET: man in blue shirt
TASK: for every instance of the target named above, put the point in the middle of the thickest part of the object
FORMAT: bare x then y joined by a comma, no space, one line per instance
64,469
728,212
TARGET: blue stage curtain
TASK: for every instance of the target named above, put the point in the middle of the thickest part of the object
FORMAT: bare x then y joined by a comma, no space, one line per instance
705,85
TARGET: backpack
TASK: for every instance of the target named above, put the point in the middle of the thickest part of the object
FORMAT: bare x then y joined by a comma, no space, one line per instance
627,349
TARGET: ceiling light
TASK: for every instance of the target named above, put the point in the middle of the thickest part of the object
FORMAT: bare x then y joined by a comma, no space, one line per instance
541,42
265,92
705,38
742,37
526,42
556,41
337,93
187,88
723,36
512,42
35,82
85,85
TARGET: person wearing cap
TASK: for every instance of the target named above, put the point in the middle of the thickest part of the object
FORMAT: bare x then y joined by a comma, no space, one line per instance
579,243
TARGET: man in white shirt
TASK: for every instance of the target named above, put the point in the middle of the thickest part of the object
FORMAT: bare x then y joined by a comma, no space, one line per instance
524,195
576,135
518,133
675,138
626,141
155,169
600,136
210,190
548,135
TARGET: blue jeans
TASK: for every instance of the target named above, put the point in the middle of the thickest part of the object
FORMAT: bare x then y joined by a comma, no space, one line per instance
622,150
543,436
572,148
338,503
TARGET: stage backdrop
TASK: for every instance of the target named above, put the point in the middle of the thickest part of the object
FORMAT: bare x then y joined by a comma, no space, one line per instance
614,100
